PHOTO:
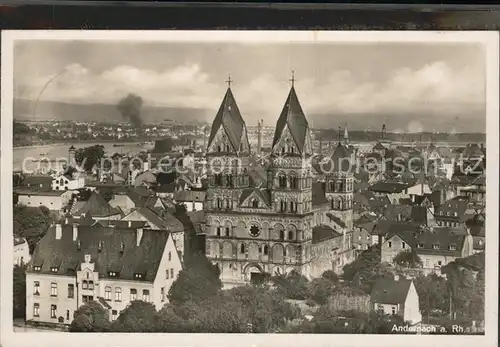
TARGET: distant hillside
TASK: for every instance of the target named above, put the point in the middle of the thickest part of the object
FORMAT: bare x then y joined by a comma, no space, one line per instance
50,110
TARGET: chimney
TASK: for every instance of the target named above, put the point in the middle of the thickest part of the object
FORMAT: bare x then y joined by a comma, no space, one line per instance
396,278
58,231
130,224
140,231
75,232
66,220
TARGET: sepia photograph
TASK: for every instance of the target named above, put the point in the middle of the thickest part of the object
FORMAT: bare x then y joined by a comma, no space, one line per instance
284,185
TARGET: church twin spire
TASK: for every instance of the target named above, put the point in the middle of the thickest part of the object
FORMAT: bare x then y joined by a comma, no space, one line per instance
229,127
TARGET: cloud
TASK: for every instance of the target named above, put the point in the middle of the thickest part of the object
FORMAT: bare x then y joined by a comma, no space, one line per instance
435,86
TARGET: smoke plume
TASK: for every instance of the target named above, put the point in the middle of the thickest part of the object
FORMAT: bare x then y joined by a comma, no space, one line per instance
130,109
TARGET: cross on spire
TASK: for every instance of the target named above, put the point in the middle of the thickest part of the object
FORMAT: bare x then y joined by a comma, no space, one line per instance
293,78
229,81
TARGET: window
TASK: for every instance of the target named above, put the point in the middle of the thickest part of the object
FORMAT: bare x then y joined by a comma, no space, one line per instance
169,256
114,314
107,293
218,231
85,284
454,248
133,294
290,235
266,250
227,231
172,273
162,294
53,289
36,309
138,276
112,274
403,245
145,295
37,268
255,203
435,246
393,309
242,248
293,182
54,269
282,235
420,245
53,311
390,244
67,314
440,262
118,294
167,274
71,290
91,285
36,288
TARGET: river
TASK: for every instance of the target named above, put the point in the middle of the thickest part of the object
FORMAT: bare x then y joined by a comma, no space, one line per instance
59,152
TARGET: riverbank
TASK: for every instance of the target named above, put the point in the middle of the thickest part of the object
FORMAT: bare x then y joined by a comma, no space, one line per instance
69,143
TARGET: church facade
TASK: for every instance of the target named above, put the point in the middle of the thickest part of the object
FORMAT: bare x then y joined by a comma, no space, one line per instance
293,222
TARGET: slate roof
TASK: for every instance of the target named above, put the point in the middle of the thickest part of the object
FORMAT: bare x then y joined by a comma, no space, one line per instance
340,160
292,116
36,180
395,212
388,187
96,206
419,215
166,222
337,220
262,193
64,253
448,209
229,117
323,232
390,291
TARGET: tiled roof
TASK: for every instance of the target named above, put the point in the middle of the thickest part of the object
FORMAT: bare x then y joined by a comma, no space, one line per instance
65,255
323,232
36,180
37,192
419,215
390,291
196,216
166,222
96,206
229,117
390,227
397,212
293,118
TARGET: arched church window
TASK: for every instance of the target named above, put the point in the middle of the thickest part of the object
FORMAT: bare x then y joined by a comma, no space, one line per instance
266,250
337,186
242,248
332,186
219,148
255,203
282,180
254,230
282,206
227,148
293,182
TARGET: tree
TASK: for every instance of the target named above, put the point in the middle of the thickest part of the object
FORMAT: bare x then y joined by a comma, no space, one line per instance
19,291
89,157
408,258
138,317
320,290
91,317
330,275
292,286
31,223
433,294
366,269
197,281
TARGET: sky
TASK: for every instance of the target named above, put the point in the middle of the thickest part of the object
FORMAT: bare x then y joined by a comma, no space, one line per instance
409,86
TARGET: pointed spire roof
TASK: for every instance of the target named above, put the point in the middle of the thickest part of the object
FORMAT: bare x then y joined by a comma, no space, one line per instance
346,133
292,117
229,117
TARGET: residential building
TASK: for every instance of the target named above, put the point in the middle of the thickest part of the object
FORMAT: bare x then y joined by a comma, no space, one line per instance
193,199
68,182
54,200
96,206
452,213
37,182
436,247
397,296
393,190
75,264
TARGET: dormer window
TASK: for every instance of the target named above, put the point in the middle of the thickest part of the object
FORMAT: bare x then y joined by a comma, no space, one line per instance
37,268
453,248
112,274
138,276
435,246
54,269
99,246
420,245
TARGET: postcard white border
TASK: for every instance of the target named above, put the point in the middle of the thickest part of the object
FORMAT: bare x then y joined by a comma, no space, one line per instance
490,40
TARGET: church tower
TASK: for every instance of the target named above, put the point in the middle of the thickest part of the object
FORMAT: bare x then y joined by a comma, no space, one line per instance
340,185
290,176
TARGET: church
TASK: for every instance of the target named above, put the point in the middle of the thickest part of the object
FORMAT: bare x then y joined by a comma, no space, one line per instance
299,220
